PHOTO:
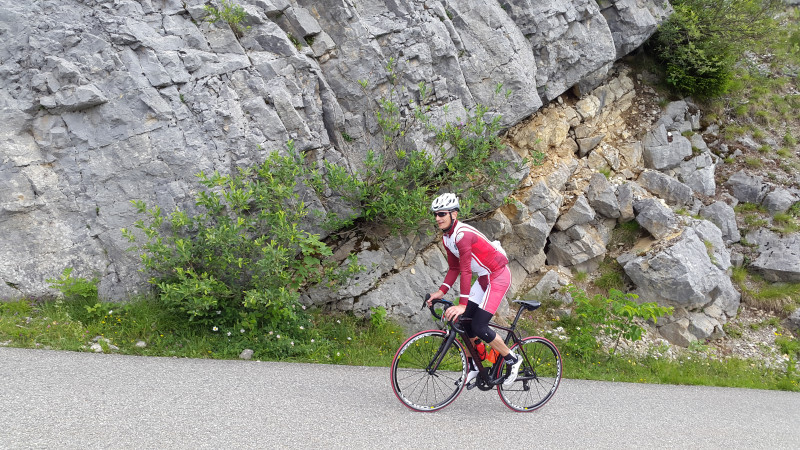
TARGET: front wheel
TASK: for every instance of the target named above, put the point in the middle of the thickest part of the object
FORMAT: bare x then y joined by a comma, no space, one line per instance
414,381
538,377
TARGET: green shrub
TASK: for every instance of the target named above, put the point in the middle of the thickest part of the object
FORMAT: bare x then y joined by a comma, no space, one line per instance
397,184
699,44
615,316
242,261
81,300
228,12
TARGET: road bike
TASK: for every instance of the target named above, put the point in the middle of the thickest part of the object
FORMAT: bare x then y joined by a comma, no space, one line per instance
429,370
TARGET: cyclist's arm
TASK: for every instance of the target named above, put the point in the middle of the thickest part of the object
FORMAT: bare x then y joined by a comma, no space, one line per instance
452,272
464,243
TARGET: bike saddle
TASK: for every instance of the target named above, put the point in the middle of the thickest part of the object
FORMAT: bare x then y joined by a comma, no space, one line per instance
528,304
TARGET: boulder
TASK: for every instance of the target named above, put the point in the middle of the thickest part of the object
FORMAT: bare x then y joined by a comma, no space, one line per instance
747,188
655,217
531,222
779,200
602,196
581,247
666,187
662,151
580,213
778,256
793,321
680,116
677,332
550,286
683,274
627,193
704,327
724,217
698,173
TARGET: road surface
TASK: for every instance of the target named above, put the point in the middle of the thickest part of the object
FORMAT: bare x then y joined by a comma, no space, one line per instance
69,400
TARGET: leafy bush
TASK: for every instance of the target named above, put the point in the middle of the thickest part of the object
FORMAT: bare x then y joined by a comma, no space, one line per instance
615,316
699,44
397,184
242,261
80,301
228,12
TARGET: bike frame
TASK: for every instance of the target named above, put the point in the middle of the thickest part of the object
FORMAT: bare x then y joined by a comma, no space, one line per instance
488,382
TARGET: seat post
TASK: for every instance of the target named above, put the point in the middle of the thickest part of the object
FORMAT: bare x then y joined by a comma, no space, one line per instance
519,313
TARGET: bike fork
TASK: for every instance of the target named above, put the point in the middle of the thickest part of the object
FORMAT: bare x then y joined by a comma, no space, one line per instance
437,359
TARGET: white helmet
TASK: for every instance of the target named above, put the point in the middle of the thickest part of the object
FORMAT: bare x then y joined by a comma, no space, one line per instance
447,201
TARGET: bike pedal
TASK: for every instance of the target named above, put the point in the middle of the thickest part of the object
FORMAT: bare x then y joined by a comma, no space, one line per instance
472,384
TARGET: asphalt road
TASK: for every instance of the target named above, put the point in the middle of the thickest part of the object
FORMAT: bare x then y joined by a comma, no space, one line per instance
67,400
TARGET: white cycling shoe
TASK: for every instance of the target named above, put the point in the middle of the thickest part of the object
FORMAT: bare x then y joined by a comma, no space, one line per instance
514,372
472,375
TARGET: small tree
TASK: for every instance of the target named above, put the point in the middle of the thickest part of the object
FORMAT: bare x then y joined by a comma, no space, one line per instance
699,44
615,316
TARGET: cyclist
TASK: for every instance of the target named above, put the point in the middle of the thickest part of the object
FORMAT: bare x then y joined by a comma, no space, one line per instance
468,251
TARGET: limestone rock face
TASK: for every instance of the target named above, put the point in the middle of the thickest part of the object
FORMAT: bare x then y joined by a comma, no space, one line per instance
104,102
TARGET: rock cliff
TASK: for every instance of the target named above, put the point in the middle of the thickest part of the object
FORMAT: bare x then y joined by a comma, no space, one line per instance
105,101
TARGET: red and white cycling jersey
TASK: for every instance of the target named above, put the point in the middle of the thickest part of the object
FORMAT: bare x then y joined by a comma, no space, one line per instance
468,251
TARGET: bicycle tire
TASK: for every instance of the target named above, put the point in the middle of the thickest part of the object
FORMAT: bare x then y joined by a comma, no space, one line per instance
414,386
539,375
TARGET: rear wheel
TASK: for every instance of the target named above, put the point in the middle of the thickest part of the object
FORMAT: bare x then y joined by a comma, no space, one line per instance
539,375
412,380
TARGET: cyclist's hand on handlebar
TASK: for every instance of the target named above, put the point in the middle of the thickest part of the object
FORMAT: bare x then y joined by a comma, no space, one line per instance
434,296
453,312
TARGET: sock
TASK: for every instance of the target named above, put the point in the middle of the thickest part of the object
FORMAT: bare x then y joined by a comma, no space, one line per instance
510,359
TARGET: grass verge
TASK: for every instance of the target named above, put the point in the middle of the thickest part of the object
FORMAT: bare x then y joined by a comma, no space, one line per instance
337,338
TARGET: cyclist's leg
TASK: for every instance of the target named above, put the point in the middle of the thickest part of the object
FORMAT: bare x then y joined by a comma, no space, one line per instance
497,286
469,312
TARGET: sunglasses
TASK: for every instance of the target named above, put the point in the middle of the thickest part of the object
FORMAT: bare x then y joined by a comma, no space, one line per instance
441,213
